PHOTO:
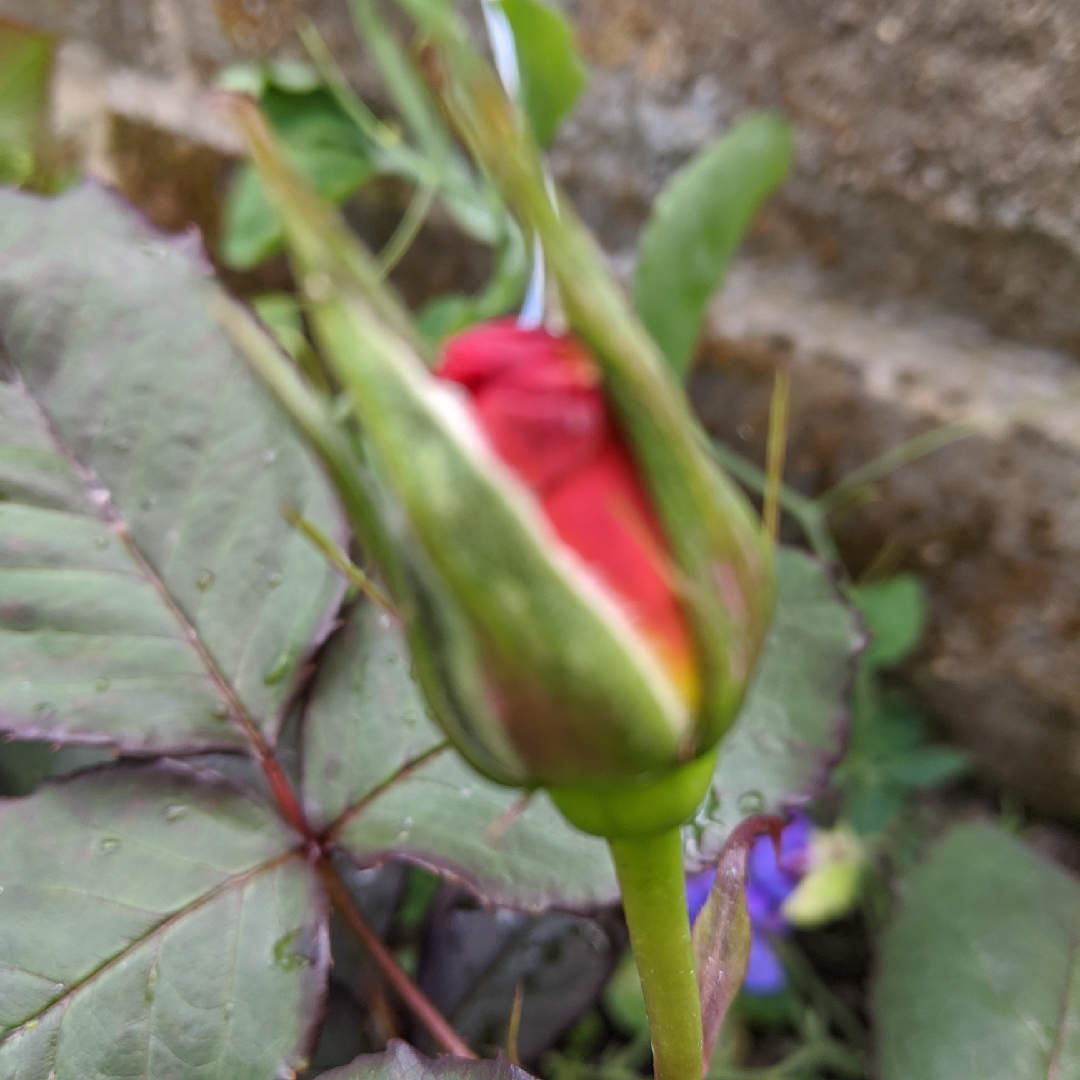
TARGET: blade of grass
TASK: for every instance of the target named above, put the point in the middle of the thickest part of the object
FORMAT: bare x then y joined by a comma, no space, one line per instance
408,228
805,511
338,559
853,485
774,455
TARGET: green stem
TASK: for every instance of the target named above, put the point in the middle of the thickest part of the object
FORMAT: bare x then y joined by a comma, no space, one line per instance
650,870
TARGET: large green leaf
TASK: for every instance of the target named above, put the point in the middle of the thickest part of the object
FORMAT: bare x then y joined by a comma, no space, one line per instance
792,726
155,924
978,975
696,224
402,1062
149,586
377,767
552,74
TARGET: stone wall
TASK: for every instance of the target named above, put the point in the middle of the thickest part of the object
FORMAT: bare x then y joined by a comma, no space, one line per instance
922,267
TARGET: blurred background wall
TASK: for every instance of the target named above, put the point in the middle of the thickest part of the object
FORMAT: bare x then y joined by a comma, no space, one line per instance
923,267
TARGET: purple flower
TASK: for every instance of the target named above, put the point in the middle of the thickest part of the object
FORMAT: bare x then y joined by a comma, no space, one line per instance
769,882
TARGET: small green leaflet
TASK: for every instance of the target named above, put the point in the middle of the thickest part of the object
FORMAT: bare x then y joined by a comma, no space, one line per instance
552,73
322,142
697,223
26,60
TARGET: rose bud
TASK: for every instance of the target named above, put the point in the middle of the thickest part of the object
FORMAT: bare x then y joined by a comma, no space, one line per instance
584,593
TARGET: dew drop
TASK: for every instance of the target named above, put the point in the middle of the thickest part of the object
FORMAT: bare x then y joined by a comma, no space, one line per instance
101,542
270,456
409,718
466,792
109,846
751,802
175,813
274,580
228,1010
1,888
220,711
101,685
30,1025
284,955
122,446
204,580
149,502
278,670
407,824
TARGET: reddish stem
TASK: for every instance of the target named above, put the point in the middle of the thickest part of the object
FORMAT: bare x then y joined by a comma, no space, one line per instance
410,993
284,795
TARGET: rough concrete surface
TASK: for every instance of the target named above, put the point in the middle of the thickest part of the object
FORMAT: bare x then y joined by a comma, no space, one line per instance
922,266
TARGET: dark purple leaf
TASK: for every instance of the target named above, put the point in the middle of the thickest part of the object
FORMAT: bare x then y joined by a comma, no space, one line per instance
402,1062
473,960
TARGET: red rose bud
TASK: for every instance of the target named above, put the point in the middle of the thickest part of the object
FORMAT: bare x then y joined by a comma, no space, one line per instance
538,399
507,518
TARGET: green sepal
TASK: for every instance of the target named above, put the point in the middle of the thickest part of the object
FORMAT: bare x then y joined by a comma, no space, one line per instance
636,809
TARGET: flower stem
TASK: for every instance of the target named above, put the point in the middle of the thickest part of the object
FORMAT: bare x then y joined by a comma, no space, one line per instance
650,870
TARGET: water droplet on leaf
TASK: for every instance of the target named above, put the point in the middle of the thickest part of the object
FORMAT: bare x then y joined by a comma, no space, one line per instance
101,542
205,580
284,955
175,813
274,580
101,685
751,802
220,711
269,456
109,846
278,670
